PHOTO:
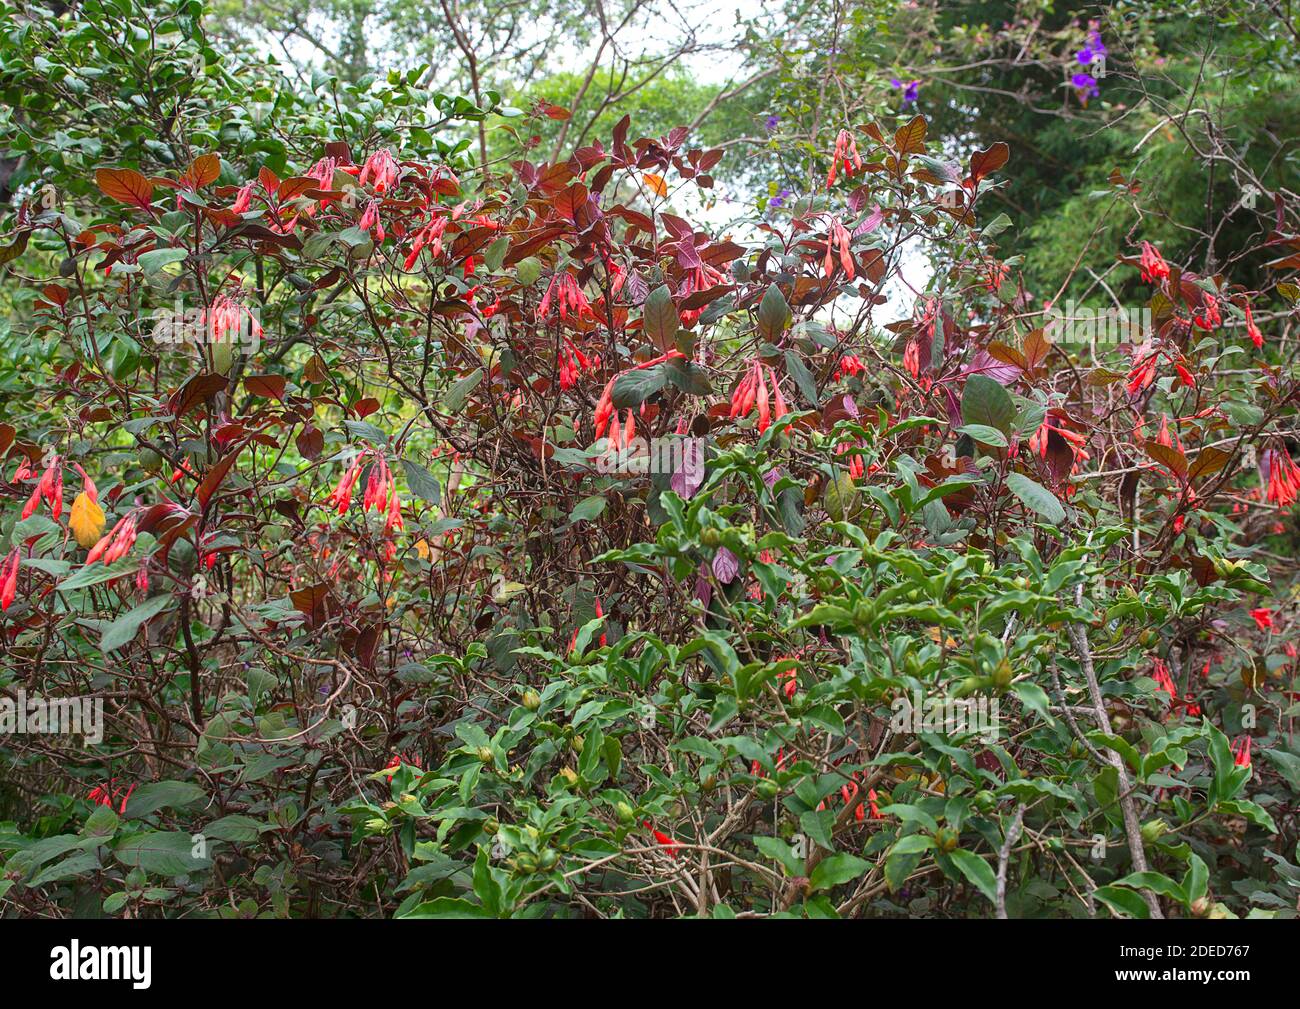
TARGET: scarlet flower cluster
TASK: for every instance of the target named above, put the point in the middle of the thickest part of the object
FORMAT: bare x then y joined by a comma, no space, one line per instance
751,391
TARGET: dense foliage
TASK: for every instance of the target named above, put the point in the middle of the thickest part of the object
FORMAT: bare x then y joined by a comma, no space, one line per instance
455,539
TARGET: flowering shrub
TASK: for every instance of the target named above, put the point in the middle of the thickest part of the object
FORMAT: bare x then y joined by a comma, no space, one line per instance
509,545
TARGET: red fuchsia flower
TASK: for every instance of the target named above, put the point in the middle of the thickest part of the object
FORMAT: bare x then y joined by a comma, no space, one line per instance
1208,316
1153,265
912,358
1241,751
845,158
23,472
1282,476
791,684
605,405
697,278
117,542
871,799
1165,682
1263,618
398,760
243,198
225,319
49,488
381,169
601,613
429,236
9,579
1143,372
856,466
341,498
573,362
838,238
664,839
1039,439
370,221
1252,330
751,391
323,171
106,795
850,364
568,298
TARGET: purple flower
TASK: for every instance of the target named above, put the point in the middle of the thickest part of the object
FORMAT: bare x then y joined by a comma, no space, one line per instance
771,122
910,90
1086,85
1092,50
779,199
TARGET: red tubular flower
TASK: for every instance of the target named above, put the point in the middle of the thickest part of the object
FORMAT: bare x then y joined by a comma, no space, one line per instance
875,810
1282,475
912,358
605,405
429,236
845,157
1163,680
1208,316
573,362
1142,374
1241,751
123,539
664,839
600,613
243,199
341,499
381,169
1153,265
9,579
850,364
370,221
838,238
698,278
1263,618
49,488
1252,330
568,298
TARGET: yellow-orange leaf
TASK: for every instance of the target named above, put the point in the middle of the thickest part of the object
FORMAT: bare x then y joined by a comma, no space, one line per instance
125,185
656,183
86,521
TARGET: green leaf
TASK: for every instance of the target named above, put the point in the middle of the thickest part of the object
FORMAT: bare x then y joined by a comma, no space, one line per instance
456,396
986,403
122,631
166,853
773,314
1123,903
984,434
779,851
633,388
803,378
237,828
836,869
157,794
423,484
659,318
1156,882
153,261
1036,498
977,870
588,509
